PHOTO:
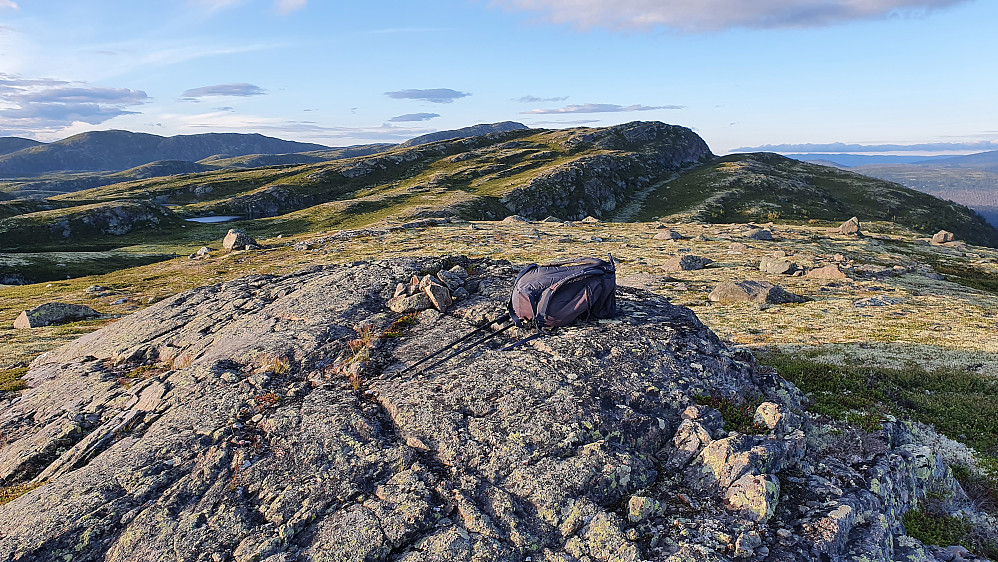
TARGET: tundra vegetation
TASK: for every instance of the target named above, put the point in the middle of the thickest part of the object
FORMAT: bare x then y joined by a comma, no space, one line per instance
907,333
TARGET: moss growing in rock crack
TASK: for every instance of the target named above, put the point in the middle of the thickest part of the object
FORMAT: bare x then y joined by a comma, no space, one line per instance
981,485
10,379
398,327
738,416
11,493
937,529
961,404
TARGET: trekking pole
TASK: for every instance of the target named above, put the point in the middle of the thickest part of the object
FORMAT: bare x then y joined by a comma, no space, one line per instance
462,339
469,346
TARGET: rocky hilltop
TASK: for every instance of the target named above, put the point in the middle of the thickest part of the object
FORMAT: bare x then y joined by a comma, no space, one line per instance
270,418
463,132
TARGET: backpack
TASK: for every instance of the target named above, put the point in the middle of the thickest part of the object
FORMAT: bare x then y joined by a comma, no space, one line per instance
548,296
558,293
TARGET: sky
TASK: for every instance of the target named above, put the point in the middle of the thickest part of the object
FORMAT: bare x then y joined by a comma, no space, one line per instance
866,76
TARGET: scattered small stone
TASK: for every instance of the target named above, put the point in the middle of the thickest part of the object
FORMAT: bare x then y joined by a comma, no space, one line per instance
776,266
95,289
831,271
201,253
668,234
879,300
738,246
746,544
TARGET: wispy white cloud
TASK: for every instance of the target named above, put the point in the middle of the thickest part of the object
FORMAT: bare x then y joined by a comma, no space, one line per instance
433,95
714,15
214,5
413,117
572,122
240,90
599,108
840,147
288,6
9,4
45,105
220,121
535,99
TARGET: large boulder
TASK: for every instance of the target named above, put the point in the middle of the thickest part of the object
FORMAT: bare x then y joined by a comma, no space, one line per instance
687,262
761,292
54,313
237,239
942,237
850,227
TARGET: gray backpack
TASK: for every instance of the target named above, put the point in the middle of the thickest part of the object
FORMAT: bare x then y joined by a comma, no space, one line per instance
558,293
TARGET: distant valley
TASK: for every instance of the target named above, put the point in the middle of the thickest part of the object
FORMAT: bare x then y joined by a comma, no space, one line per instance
970,180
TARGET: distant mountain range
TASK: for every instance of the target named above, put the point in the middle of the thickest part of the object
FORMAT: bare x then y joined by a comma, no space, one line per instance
121,150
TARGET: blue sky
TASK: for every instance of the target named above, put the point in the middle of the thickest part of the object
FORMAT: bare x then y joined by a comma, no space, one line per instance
793,76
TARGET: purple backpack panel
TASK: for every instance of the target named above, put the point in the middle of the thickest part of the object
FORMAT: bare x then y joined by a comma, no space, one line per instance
556,294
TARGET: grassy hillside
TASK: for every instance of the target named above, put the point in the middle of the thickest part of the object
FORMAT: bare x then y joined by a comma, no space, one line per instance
769,187
635,171
975,188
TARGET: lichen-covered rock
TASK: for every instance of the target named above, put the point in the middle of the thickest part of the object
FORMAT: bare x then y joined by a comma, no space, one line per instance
271,421
850,227
753,291
754,495
759,234
776,266
52,313
686,262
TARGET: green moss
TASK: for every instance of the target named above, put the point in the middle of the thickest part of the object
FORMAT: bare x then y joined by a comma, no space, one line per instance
10,379
959,403
11,493
738,416
937,529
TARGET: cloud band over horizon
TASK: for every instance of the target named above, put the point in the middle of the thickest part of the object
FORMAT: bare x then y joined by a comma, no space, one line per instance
717,15
432,95
839,147
598,108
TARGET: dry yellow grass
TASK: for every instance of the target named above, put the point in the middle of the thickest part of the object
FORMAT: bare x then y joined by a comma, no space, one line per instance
933,322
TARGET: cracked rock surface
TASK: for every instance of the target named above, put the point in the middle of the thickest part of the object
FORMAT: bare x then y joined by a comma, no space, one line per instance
272,419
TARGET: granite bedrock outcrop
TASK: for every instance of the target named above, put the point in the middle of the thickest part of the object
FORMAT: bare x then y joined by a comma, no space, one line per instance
219,424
